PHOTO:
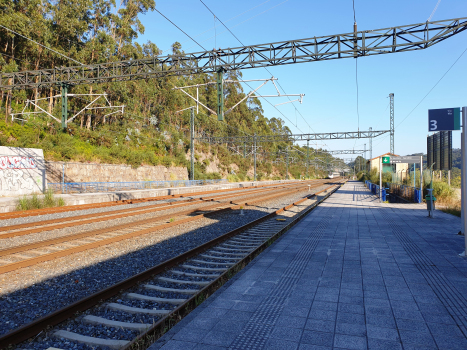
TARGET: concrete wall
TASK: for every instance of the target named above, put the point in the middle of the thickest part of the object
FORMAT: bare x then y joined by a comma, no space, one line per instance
22,171
92,172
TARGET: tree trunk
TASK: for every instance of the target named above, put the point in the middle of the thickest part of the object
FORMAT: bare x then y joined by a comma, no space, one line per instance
88,121
51,91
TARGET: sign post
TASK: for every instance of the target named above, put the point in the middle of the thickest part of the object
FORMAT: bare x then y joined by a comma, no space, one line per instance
464,177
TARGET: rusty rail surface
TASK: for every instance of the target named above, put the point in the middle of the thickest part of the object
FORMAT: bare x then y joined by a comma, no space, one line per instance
44,211
29,330
83,247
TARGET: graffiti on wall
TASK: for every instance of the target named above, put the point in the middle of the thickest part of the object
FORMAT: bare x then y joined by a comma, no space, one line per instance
14,175
17,162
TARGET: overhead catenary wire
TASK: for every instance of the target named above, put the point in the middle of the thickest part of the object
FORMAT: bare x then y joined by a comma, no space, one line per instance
180,29
46,47
266,70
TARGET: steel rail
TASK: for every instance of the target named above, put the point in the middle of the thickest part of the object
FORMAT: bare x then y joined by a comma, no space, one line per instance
83,247
29,330
164,324
44,211
109,215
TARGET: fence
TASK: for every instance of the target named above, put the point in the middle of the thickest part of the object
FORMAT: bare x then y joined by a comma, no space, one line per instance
408,193
374,188
93,187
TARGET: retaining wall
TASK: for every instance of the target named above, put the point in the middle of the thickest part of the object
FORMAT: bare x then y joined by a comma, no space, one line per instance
93,172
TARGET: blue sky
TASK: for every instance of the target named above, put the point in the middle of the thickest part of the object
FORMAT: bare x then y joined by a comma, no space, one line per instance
330,102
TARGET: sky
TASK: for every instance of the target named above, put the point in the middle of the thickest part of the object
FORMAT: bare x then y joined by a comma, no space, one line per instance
330,87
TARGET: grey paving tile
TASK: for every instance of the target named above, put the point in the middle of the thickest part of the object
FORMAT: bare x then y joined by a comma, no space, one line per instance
381,321
317,338
350,342
191,334
382,333
351,329
279,344
379,344
177,345
345,317
286,333
411,325
313,347
351,308
317,314
320,325
203,322
417,337
219,338
324,305
291,321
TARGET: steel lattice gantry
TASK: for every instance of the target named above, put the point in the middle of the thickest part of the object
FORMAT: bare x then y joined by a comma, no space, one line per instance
294,137
341,152
350,45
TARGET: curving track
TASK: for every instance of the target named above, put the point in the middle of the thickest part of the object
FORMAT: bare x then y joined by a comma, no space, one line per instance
168,290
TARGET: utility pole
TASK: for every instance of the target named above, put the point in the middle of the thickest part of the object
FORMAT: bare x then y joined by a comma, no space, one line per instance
287,163
220,94
364,147
64,105
244,149
371,144
254,137
391,121
192,142
307,157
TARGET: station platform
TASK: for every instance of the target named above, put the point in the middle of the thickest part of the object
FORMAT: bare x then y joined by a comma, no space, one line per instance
353,274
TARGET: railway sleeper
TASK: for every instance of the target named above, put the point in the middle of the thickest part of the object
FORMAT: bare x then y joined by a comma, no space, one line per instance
220,257
182,273
173,280
204,262
137,296
92,341
89,319
191,267
137,310
170,290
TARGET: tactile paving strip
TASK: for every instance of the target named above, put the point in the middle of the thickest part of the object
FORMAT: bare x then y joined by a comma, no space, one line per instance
262,322
451,298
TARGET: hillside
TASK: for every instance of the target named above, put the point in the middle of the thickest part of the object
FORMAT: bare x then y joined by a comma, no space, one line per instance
150,131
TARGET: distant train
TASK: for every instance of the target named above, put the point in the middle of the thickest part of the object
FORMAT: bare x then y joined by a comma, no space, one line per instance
333,175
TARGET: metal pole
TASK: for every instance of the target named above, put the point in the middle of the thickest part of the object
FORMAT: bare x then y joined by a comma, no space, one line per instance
464,174
414,175
307,157
220,94
421,177
192,142
380,178
391,122
64,105
371,144
287,162
255,156
244,149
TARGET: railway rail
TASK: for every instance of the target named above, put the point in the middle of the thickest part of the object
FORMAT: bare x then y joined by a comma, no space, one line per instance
75,243
44,211
198,272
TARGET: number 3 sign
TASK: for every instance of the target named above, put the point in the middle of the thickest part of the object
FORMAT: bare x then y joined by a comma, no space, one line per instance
444,119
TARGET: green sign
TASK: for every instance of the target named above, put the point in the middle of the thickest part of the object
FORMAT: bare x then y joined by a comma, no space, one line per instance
386,160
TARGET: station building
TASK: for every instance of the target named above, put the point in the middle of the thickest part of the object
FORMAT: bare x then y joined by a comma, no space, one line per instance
400,168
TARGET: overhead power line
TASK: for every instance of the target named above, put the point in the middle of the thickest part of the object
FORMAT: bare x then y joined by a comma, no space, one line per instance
180,29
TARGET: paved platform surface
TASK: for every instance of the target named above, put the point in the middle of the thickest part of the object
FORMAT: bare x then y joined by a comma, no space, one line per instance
354,274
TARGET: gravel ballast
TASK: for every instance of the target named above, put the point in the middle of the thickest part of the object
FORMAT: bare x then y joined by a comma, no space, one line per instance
32,292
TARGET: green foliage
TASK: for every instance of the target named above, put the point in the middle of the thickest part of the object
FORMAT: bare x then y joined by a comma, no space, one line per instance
442,191
35,201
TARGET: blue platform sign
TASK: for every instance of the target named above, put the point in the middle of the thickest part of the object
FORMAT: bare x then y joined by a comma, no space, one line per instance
444,119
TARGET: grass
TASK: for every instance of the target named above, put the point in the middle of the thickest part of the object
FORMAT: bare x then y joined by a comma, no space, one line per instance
36,201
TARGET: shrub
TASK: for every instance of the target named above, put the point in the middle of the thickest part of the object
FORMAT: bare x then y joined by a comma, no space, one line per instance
48,200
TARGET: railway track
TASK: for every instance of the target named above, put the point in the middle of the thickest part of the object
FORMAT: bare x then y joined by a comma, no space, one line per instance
34,253
45,211
178,284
